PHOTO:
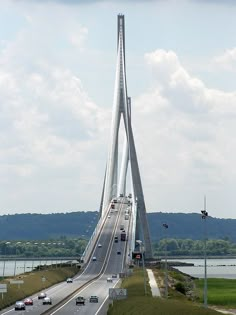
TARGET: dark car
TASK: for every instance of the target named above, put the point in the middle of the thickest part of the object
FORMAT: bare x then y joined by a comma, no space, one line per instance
93,299
28,301
80,300
19,306
114,275
47,301
42,295
118,252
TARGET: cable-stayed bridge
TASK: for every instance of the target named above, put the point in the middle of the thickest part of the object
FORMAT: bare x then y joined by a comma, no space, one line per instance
123,219
115,186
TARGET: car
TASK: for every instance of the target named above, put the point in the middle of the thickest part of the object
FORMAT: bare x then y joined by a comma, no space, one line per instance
99,245
94,258
28,301
42,295
118,252
93,299
116,239
109,279
47,301
19,306
109,216
80,300
114,200
69,280
114,275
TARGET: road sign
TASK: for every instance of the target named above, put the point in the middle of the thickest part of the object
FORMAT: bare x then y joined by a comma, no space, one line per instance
3,288
117,294
16,281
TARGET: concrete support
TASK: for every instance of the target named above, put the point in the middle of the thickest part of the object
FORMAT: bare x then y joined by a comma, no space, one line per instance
114,185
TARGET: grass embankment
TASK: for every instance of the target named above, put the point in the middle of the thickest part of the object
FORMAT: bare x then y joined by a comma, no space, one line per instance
33,283
220,291
137,303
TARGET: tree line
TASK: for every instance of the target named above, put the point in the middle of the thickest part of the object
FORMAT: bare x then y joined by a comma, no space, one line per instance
189,247
62,247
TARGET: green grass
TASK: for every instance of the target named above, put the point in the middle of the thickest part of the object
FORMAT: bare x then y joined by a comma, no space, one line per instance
137,303
33,283
220,291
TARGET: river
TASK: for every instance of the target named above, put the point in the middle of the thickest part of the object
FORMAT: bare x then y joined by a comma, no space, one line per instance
10,268
216,268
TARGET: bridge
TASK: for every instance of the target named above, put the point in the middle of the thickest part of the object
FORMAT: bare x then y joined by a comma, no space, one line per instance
123,227
115,180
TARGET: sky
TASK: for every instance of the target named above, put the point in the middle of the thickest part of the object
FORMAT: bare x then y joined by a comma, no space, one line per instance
57,72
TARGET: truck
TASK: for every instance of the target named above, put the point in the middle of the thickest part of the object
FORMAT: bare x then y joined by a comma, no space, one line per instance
123,236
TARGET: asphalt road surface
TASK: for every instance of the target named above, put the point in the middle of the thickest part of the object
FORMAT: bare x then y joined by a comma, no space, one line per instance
107,262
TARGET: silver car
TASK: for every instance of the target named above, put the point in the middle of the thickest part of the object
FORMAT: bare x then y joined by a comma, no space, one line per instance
19,306
47,300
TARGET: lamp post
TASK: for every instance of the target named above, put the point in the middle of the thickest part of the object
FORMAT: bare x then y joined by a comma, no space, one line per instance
141,249
4,262
204,216
15,258
165,226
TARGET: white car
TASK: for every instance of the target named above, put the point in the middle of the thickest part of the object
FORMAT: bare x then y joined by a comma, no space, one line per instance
47,301
109,216
109,279
94,258
69,280
99,245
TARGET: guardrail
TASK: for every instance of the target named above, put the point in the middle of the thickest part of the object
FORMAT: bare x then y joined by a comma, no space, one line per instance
93,239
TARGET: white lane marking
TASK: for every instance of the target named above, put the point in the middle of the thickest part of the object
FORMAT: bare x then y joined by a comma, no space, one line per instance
106,260
101,306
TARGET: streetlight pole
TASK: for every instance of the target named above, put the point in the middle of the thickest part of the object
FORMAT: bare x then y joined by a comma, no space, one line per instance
141,250
15,258
204,216
166,271
4,263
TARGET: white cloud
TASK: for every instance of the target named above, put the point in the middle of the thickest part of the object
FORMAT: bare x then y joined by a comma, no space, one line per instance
226,61
78,38
184,135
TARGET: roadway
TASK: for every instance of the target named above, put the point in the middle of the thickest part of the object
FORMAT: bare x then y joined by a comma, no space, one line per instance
107,262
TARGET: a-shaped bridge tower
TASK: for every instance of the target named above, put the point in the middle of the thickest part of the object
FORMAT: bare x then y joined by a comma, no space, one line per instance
115,178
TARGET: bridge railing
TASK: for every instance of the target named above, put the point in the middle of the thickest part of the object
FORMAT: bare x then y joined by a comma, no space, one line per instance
93,239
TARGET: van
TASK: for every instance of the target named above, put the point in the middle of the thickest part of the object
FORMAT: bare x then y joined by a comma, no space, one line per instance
122,227
126,216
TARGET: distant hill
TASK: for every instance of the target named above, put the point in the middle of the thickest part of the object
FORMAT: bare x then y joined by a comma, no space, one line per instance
190,226
46,226
81,224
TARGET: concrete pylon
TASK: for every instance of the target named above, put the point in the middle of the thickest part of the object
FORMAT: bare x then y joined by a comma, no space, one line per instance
114,185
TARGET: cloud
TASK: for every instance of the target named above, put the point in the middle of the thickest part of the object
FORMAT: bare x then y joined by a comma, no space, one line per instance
226,61
78,38
184,135
51,130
